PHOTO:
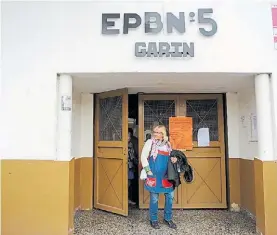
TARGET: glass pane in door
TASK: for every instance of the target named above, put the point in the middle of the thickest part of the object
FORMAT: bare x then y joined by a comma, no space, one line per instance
205,115
157,112
110,120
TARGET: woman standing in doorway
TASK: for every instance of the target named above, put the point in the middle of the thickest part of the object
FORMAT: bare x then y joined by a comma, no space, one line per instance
154,159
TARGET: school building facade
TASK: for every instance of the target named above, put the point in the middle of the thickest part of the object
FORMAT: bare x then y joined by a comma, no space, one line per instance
68,72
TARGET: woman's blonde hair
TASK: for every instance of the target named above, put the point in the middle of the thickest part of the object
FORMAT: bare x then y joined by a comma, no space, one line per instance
163,131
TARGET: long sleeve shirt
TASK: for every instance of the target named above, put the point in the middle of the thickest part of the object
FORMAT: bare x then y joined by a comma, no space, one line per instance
146,153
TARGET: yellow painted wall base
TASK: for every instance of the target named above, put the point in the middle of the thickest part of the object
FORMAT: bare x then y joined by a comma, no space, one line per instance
266,191
83,183
247,185
253,186
40,197
234,180
242,183
35,197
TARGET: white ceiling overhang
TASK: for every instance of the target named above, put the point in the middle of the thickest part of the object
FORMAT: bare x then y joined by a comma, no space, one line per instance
162,82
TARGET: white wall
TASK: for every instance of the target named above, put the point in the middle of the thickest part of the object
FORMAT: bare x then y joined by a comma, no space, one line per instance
274,99
240,107
247,106
86,148
232,103
41,39
82,125
274,104
76,124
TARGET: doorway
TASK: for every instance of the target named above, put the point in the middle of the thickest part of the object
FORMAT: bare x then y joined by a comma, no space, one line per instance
116,111
133,151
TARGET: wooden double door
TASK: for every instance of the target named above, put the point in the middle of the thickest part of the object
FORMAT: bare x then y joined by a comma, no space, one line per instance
208,189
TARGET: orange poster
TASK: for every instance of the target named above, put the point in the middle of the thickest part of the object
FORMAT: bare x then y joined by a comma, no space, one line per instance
180,133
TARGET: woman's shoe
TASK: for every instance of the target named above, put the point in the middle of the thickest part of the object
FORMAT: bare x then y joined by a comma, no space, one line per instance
154,224
170,224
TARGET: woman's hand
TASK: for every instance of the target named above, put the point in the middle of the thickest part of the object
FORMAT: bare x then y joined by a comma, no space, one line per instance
173,159
149,173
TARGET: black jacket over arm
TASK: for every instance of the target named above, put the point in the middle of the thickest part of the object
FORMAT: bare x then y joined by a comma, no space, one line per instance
173,175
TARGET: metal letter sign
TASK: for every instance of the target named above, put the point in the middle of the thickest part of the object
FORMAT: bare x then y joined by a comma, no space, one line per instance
154,24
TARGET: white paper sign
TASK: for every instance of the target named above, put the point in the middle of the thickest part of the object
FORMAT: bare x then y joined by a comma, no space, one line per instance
66,103
203,137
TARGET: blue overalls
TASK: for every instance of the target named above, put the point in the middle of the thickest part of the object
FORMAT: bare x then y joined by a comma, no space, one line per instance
157,183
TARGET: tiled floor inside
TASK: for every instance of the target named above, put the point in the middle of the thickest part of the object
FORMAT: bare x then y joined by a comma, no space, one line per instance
198,222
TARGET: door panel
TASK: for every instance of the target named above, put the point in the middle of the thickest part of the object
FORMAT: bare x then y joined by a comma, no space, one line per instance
111,131
155,109
205,192
209,187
